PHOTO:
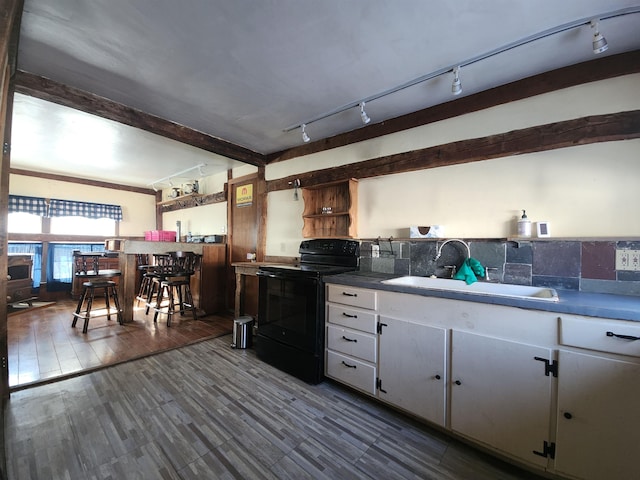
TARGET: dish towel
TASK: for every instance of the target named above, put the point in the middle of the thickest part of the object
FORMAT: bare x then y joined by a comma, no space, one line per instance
469,271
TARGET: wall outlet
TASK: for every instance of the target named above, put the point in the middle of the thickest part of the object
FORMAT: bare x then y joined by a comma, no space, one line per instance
375,251
628,260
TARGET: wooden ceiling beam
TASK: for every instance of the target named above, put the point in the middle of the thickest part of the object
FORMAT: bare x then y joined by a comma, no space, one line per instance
82,181
569,133
51,91
591,71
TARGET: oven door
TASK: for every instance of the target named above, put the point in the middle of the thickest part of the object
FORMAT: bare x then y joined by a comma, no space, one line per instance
291,310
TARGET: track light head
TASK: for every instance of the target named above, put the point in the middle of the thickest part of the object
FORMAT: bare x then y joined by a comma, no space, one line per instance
363,115
456,86
599,42
305,137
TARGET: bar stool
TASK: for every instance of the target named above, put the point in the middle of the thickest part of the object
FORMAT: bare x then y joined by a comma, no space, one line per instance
176,287
156,273
83,310
147,271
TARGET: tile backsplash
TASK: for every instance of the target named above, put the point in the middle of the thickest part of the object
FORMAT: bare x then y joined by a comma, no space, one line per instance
588,266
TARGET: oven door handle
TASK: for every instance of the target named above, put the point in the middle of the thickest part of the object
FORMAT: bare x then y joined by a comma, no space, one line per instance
261,273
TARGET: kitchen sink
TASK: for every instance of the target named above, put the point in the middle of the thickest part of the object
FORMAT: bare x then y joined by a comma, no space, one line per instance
477,288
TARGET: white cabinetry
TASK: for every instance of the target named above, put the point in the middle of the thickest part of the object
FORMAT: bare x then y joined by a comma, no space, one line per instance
559,393
413,368
351,341
598,432
500,394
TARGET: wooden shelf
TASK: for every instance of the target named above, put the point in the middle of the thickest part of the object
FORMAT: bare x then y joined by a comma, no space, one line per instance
180,198
191,200
342,198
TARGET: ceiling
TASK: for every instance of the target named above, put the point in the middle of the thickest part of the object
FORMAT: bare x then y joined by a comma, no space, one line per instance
246,71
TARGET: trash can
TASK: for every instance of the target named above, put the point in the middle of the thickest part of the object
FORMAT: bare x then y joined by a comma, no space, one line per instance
242,332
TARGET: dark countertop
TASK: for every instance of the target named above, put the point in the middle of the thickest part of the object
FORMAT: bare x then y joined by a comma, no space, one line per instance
619,307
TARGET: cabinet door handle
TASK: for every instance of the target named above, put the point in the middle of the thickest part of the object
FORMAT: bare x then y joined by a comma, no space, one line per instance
458,382
349,366
438,377
349,316
349,339
625,337
568,416
347,294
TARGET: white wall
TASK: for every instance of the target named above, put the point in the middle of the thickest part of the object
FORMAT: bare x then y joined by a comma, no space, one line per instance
202,220
138,210
582,191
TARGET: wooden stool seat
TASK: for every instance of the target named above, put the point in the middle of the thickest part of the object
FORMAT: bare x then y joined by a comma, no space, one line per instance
177,292
83,310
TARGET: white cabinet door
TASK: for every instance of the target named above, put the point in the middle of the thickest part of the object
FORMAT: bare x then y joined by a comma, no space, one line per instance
412,368
598,417
500,394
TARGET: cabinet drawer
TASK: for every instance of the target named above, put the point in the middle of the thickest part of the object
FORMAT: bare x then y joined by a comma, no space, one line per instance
352,318
602,335
19,294
352,342
356,297
353,372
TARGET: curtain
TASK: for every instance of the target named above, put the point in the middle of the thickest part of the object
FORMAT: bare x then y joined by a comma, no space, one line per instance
34,249
69,208
32,205
60,263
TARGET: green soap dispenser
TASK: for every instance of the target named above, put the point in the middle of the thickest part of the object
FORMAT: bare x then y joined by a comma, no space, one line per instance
524,226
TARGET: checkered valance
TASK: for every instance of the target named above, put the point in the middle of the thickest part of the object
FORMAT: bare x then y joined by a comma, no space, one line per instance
69,208
32,205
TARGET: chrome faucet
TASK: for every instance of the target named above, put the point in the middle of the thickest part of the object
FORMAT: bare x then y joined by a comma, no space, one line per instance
439,251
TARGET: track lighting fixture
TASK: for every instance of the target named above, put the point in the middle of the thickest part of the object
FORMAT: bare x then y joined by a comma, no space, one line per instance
305,137
363,115
599,42
169,179
599,45
456,86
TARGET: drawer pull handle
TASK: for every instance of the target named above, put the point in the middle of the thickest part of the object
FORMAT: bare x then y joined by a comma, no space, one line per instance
625,337
349,339
347,294
349,316
347,365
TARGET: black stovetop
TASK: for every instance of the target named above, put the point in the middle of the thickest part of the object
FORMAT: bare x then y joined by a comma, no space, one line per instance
321,257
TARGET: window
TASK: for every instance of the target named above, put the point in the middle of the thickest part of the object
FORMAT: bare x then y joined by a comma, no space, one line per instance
60,263
22,222
83,226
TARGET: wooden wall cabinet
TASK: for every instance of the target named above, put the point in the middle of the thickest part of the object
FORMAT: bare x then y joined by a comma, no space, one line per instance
341,220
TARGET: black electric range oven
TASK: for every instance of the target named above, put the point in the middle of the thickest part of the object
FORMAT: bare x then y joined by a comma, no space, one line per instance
291,320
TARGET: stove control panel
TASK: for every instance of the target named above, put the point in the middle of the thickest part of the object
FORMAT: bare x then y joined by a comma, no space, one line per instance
338,247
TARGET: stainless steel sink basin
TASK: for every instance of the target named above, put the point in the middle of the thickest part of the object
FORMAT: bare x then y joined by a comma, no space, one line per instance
477,288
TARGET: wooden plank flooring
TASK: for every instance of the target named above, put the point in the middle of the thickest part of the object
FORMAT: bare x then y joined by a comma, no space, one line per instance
207,411
43,346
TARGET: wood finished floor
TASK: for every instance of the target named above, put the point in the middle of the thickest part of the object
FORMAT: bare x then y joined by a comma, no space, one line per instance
207,411
43,346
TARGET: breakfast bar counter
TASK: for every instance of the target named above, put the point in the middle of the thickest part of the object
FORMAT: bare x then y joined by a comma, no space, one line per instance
207,284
